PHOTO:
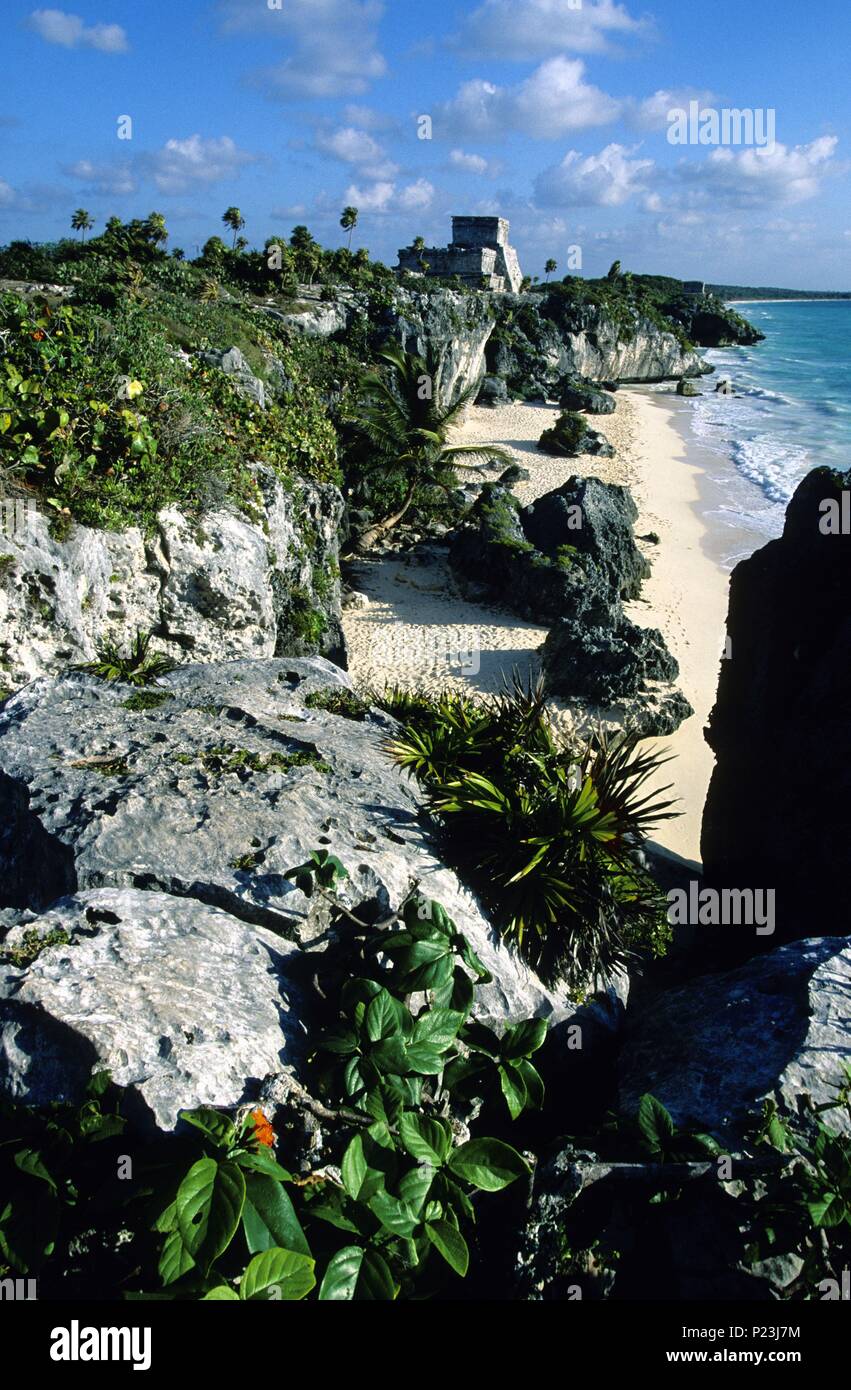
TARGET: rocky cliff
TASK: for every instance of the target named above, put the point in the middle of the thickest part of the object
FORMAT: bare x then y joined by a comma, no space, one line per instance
218,585
778,813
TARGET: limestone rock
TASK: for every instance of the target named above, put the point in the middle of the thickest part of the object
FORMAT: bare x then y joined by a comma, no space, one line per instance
214,794
182,1003
221,584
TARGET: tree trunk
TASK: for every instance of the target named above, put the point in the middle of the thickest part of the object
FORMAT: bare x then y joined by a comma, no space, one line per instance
367,538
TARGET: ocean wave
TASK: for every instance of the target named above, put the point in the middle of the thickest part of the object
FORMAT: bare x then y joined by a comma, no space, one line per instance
772,465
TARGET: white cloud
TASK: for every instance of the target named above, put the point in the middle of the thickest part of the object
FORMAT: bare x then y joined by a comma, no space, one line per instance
184,164
756,177
359,149
70,31
384,197
523,30
368,118
652,113
334,44
554,99
7,194
117,179
469,163
607,179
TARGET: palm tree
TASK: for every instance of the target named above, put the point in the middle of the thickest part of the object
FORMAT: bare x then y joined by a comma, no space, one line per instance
241,243
550,266
301,238
614,272
234,219
82,222
156,228
349,221
418,245
407,426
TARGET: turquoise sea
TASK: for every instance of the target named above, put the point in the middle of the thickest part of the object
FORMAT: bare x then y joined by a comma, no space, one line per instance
792,410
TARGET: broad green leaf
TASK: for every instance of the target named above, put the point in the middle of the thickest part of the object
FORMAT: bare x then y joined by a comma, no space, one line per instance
268,1217
438,1026
428,1141
488,1164
354,1273
451,1244
524,1039
382,1017
217,1127
209,1207
655,1123
278,1275
175,1260
514,1089
425,1058
222,1293
532,1081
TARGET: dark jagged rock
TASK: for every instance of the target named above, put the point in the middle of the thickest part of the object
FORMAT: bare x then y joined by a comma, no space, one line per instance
608,663
571,436
778,812
605,536
579,396
539,563
493,391
686,387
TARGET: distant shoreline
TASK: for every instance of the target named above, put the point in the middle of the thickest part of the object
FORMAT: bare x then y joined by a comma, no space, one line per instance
817,299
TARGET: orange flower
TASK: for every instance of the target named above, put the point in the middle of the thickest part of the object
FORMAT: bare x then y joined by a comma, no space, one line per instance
263,1131
38,336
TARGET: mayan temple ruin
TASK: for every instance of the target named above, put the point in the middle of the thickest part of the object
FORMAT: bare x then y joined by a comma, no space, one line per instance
479,254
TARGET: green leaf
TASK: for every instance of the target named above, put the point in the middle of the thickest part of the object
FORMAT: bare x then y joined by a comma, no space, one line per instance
655,1123
359,1180
400,1218
209,1207
354,1273
222,1293
382,1017
532,1081
217,1127
424,1058
268,1217
261,1161
278,1275
175,1260
438,1026
451,1245
488,1164
514,1089
426,1140
524,1039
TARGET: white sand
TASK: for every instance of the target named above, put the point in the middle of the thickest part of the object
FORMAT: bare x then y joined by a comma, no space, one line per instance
419,632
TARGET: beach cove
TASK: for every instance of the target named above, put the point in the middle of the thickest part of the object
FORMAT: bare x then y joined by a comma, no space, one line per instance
418,631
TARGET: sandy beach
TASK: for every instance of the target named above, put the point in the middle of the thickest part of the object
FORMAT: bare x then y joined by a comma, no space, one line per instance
419,632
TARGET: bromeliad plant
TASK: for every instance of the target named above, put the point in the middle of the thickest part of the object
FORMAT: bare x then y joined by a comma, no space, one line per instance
550,836
138,666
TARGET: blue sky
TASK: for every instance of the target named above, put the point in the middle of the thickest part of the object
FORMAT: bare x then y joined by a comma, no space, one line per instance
551,112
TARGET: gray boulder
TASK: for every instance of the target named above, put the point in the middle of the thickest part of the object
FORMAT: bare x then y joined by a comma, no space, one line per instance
232,362
605,536
579,396
686,387
493,391
213,794
714,1049
184,1004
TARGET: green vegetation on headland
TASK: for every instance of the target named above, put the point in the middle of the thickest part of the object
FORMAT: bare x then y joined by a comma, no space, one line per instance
728,292
113,404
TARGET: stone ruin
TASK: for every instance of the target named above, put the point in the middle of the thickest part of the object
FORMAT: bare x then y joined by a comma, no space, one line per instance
479,254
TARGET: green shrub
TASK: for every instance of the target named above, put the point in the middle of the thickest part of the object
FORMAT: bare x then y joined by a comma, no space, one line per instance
566,435
212,1214
549,836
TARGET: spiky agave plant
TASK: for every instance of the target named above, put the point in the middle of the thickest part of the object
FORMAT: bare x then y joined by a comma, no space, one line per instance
403,411
138,666
549,835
